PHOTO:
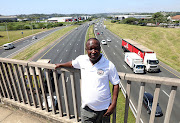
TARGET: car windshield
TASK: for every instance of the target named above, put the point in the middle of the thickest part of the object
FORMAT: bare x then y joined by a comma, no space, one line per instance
153,62
140,66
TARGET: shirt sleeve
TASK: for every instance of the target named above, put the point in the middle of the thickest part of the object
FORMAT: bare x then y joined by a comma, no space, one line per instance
75,63
113,75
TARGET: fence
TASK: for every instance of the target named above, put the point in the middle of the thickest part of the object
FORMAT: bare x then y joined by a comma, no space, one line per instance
39,88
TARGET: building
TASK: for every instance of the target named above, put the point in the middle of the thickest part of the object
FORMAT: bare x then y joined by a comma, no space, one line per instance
8,18
61,19
121,17
175,18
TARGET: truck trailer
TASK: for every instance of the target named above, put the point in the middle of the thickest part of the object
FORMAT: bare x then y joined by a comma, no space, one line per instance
134,61
149,57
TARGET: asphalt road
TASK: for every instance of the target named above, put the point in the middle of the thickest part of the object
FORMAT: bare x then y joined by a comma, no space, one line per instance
72,45
25,42
115,54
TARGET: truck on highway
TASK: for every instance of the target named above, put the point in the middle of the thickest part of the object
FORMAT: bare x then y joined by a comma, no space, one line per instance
149,57
134,61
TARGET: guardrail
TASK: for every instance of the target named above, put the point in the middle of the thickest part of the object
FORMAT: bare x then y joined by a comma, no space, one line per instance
40,89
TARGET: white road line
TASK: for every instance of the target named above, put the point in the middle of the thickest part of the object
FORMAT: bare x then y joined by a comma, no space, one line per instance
117,41
75,50
77,44
114,53
67,79
57,50
70,43
108,45
115,46
61,60
165,93
124,66
66,50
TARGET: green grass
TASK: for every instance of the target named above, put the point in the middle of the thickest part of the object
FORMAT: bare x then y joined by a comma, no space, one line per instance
164,41
120,109
90,32
15,35
32,50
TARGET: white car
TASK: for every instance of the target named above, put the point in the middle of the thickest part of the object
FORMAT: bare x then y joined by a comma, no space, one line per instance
34,37
103,42
8,46
108,39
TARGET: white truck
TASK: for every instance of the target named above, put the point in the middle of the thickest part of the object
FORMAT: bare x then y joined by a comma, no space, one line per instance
134,61
149,57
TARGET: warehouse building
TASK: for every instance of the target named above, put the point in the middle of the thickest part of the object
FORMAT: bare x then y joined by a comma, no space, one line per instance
8,18
61,19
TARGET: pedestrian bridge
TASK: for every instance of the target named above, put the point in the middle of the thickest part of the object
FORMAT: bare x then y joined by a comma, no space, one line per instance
28,86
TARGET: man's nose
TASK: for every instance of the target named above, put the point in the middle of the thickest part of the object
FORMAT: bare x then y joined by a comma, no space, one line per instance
93,51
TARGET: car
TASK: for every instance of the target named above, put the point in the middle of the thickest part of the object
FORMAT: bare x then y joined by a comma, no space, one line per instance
95,29
34,37
103,42
108,39
76,28
8,46
148,101
98,33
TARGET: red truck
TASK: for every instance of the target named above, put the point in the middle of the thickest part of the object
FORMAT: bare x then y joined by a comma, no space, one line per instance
149,57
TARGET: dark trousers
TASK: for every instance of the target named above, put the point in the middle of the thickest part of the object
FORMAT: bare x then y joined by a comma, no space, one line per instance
90,116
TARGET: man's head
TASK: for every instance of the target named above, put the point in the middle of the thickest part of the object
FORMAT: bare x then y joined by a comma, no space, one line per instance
93,49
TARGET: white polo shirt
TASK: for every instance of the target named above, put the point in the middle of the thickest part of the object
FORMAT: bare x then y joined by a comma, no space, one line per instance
95,90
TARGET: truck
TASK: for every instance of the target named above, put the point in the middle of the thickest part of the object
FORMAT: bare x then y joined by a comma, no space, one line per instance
149,56
134,61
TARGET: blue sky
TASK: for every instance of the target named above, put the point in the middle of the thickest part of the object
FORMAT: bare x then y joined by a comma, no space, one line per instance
14,7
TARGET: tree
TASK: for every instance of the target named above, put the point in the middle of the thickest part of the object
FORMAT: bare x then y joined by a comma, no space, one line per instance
158,17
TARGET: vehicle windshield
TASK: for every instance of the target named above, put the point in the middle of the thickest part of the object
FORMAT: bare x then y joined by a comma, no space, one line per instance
140,66
153,62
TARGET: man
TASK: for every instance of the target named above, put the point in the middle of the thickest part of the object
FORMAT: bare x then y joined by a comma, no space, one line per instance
96,72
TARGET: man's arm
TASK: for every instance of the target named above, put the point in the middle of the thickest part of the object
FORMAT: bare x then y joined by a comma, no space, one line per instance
114,101
67,64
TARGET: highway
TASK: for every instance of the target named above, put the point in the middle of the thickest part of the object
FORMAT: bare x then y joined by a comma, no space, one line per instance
72,45
26,42
115,54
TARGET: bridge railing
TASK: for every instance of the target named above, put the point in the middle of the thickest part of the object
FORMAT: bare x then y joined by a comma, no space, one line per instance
39,88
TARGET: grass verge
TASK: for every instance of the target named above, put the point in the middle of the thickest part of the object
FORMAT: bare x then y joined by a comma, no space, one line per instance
35,48
15,35
120,109
164,41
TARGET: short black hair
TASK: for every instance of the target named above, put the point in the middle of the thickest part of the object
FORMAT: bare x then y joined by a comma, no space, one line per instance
93,39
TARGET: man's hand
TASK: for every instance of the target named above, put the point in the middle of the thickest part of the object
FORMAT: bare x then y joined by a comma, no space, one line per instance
67,64
110,110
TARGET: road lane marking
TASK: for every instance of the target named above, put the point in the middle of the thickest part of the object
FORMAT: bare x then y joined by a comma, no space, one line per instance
57,50
75,50
66,50
60,60
165,93
115,46
70,43
124,66
169,71
67,79
77,44
114,53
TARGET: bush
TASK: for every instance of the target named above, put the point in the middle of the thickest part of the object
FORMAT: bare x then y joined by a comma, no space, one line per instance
27,27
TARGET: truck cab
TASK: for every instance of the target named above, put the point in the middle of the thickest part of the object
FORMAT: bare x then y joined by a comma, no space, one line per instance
151,62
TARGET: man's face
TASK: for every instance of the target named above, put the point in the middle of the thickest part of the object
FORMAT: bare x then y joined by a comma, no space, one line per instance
93,49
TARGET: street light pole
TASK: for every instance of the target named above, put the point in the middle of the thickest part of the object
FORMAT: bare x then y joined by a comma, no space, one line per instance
7,31
32,27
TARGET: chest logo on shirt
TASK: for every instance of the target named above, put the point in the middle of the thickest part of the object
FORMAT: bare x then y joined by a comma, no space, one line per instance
100,72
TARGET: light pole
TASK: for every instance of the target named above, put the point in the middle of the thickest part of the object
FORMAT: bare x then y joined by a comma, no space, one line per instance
32,27
7,31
